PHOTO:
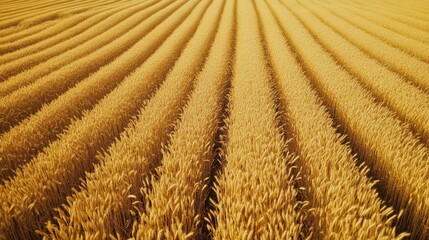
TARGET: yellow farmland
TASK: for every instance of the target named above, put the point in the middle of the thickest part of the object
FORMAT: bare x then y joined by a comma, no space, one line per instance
214,119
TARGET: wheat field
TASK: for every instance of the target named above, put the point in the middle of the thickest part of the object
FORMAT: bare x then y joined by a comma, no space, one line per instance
214,119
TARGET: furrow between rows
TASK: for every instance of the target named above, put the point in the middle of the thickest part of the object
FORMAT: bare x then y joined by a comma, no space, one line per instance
49,178
412,68
29,99
344,201
408,101
256,195
24,141
180,193
61,31
44,62
392,153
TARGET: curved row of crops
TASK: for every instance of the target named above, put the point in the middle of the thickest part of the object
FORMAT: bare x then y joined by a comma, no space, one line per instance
214,119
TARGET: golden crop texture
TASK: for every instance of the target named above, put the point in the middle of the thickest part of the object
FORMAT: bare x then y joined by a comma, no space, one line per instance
214,119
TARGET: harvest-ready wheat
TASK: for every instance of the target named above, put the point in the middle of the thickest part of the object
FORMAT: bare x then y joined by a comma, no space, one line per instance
214,119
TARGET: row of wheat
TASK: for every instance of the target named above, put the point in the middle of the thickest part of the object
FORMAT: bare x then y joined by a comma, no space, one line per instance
214,119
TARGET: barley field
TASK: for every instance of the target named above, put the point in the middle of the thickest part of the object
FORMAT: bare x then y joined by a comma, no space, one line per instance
214,119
